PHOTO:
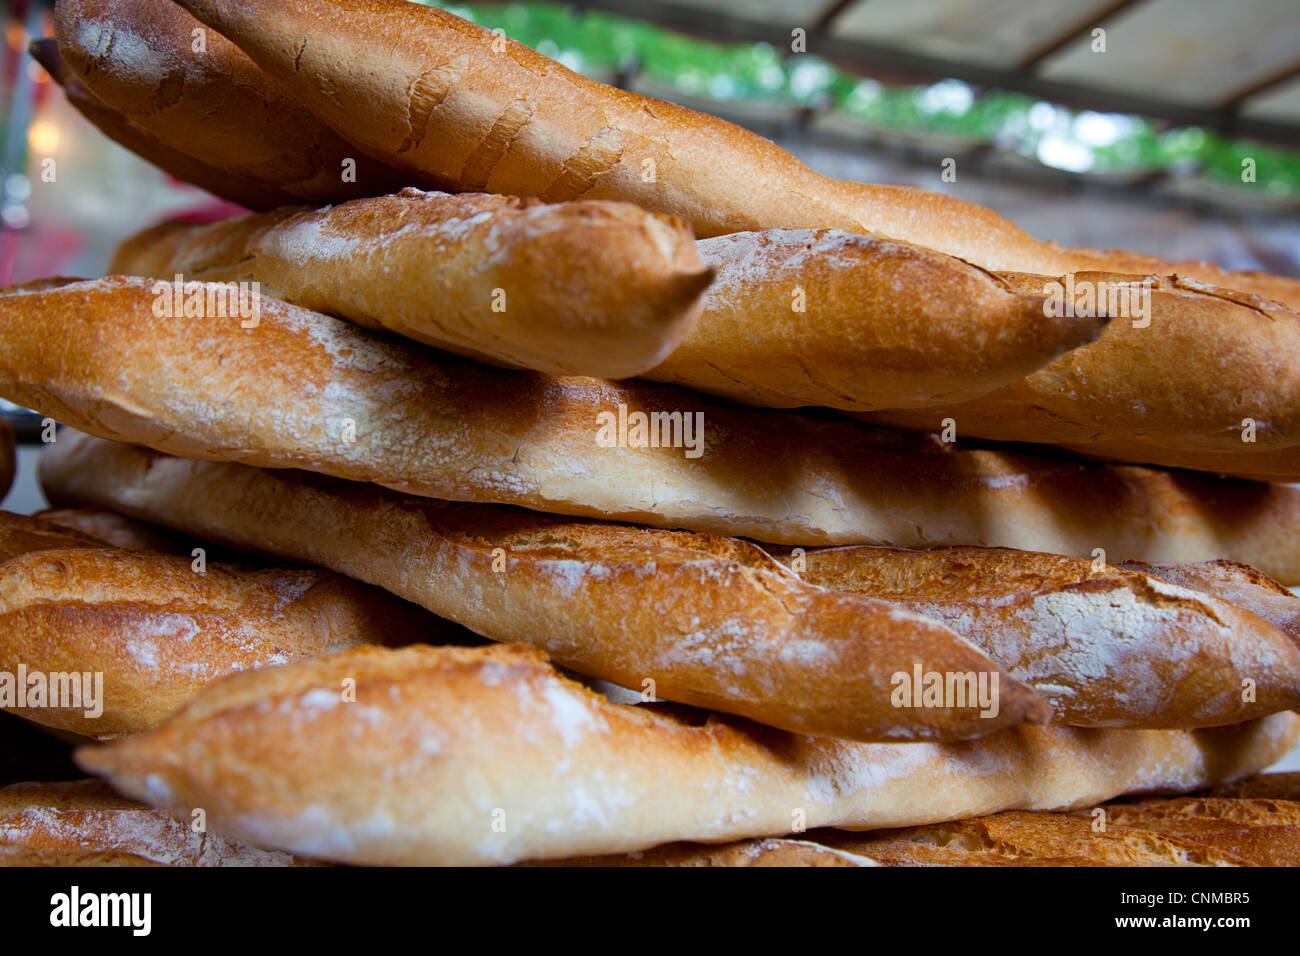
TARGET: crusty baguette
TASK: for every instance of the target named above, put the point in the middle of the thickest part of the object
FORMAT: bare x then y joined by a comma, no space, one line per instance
1263,831
139,58
158,630
291,392
793,318
819,317
1181,831
508,280
85,823
1236,583
1267,786
438,96
1107,646
709,621
487,755
1164,393
241,189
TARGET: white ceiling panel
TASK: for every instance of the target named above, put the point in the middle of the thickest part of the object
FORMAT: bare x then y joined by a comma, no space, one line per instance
1192,51
1280,103
995,33
786,13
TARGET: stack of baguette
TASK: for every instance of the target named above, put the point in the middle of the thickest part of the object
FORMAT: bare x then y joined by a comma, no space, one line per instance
543,520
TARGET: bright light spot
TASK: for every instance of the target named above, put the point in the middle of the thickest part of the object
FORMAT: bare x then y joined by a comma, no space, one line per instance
15,35
1100,129
865,93
1062,153
722,87
949,96
1042,116
43,137
771,76
807,78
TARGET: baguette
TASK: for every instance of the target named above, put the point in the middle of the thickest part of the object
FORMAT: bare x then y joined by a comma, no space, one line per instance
1158,394
1265,832
302,390
116,530
84,823
883,324
1106,646
435,95
509,281
1237,583
702,620
502,759
818,317
142,60
1268,786
157,630
240,189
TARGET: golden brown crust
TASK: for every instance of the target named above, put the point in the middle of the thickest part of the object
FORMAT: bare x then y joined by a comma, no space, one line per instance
117,530
144,631
84,823
486,755
291,392
1258,830
1107,646
507,280
694,618
1176,392
1237,583
138,58
435,94
820,317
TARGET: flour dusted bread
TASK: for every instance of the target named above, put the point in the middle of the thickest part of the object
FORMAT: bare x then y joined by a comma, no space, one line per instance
157,629
687,617
302,390
441,742
192,91
1237,583
85,823
1107,646
511,281
431,93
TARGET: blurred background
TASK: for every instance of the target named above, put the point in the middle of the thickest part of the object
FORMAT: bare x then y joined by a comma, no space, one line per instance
1169,127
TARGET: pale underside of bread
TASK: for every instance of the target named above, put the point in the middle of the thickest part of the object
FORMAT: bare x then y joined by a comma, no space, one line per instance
698,619
487,755
431,93
506,280
306,391
154,628
822,317
139,58
1106,645
85,823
